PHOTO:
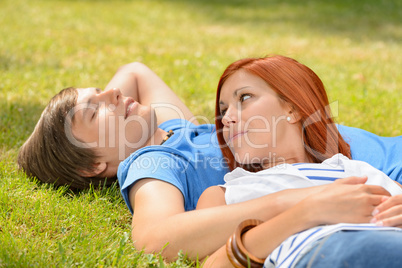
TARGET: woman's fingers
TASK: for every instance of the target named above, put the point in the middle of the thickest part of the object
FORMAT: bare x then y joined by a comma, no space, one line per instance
389,212
375,189
387,203
395,221
372,189
376,200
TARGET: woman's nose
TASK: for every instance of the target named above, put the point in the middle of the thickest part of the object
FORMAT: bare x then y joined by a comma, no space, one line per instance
230,117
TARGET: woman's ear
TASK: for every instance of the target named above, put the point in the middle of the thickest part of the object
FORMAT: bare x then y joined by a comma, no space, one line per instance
292,115
98,169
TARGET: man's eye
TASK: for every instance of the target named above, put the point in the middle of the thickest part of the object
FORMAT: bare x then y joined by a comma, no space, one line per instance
95,112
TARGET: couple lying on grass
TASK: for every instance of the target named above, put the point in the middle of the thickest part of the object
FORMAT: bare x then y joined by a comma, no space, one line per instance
294,193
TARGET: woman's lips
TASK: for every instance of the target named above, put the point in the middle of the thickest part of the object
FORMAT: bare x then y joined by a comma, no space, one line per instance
237,135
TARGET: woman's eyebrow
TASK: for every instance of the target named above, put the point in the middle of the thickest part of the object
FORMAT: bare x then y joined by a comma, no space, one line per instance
235,93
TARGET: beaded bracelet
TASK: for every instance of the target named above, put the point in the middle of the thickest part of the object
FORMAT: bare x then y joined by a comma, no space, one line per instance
236,251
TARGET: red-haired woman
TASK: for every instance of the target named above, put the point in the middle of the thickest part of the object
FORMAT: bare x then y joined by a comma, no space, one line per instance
273,117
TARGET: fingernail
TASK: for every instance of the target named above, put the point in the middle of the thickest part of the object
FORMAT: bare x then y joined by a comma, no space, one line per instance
379,223
375,212
373,220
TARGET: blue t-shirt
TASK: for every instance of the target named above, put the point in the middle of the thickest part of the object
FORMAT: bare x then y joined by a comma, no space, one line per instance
190,159
383,153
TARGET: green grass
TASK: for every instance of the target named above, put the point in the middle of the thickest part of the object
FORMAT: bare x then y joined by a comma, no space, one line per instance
354,46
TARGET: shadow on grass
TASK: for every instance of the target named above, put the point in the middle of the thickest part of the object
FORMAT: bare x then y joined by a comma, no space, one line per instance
356,20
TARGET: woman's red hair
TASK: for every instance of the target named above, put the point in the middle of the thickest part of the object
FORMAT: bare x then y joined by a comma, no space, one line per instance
300,87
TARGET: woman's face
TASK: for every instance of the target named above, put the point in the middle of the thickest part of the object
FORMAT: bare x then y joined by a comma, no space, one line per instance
255,122
111,123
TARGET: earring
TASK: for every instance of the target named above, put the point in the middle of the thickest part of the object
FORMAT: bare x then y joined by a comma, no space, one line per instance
288,118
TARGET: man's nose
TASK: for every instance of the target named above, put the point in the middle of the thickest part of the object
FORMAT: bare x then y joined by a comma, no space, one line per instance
113,95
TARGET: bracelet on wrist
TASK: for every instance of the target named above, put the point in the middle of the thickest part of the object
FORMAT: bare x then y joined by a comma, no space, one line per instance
236,251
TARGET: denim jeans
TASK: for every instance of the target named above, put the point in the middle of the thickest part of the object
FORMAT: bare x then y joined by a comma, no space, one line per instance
356,249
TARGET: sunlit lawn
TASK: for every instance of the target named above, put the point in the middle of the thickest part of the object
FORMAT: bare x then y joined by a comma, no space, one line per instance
354,46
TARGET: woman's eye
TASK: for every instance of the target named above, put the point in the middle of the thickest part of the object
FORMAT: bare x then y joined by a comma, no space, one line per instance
223,112
244,97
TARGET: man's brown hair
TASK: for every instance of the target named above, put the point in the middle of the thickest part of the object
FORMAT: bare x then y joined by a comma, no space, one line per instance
49,155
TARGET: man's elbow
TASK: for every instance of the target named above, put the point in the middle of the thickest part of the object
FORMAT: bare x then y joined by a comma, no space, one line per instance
152,245
131,67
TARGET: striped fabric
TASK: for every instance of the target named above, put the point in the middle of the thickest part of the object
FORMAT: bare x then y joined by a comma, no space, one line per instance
320,171
242,185
287,254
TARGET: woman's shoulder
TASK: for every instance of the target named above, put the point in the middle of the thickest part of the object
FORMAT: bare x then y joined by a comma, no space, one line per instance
212,197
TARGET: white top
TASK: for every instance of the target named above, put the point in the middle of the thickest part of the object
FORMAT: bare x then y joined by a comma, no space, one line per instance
242,185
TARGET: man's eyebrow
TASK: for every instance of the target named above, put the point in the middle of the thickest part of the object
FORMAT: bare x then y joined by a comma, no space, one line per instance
89,103
86,108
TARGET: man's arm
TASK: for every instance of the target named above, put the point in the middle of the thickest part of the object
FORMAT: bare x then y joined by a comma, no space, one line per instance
160,222
141,83
159,218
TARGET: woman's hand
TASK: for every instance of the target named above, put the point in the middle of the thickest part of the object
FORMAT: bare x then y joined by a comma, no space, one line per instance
389,212
346,200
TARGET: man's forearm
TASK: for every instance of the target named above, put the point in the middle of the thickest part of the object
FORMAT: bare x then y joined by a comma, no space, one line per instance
201,232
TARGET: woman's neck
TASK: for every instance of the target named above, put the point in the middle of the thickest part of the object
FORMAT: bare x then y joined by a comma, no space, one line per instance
286,160
295,154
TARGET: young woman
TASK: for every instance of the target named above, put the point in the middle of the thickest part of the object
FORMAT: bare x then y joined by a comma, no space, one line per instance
274,117
84,135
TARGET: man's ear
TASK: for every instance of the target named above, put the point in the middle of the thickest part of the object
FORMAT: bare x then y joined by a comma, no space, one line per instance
98,169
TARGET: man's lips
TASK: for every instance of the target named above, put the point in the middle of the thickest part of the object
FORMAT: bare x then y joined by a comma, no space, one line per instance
129,105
